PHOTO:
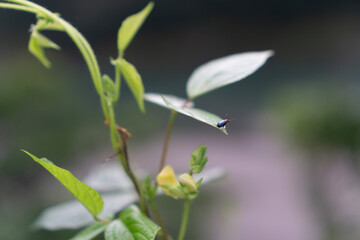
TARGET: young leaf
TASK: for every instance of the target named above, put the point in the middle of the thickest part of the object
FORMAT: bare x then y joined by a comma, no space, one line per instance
91,231
224,71
130,26
37,44
85,194
156,98
118,231
132,79
109,88
198,114
198,159
140,226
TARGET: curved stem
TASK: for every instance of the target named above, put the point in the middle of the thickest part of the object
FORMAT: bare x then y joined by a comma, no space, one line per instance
79,40
18,7
184,220
167,140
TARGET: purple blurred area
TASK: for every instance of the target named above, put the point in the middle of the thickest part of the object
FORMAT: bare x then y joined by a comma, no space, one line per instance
291,156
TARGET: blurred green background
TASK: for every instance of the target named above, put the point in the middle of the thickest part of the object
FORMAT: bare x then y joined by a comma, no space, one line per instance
293,147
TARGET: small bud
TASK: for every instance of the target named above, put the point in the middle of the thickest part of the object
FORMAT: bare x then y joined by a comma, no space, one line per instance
198,159
188,182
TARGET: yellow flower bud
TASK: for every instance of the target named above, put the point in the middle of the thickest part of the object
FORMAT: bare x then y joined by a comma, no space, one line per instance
166,176
167,181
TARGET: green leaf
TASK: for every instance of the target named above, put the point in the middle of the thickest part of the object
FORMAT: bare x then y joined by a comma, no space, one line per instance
37,44
91,231
85,194
133,80
224,71
140,226
198,159
118,231
130,27
109,88
156,98
116,190
198,114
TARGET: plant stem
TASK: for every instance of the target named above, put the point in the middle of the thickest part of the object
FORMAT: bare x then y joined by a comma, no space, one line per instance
158,218
119,143
18,7
184,220
167,140
132,176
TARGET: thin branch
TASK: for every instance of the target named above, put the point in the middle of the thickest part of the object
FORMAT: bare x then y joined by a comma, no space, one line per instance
167,140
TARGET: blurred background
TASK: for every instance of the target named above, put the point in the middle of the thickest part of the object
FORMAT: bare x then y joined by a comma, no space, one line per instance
292,150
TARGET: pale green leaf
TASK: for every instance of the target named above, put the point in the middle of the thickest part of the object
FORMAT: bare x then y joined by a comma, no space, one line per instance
118,231
72,215
91,231
130,27
140,226
224,71
156,98
109,177
198,114
85,194
37,44
133,80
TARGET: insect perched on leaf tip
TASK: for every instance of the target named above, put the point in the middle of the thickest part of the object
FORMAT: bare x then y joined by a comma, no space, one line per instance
222,123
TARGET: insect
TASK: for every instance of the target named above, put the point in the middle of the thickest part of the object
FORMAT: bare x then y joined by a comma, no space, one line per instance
222,123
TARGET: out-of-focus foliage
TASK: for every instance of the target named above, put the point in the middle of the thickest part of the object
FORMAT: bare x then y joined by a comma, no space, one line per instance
319,117
45,111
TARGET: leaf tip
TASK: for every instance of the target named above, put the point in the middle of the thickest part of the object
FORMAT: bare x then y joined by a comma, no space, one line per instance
26,152
269,53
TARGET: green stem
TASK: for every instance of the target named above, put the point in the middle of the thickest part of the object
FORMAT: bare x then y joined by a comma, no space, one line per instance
184,220
124,158
158,218
18,7
120,145
167,140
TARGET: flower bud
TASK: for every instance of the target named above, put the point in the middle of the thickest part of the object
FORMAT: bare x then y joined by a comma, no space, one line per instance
188,182
168,183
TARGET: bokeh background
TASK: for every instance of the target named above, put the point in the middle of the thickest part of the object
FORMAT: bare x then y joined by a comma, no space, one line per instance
292,150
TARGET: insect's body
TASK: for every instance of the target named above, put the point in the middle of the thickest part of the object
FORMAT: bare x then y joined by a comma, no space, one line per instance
222,123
